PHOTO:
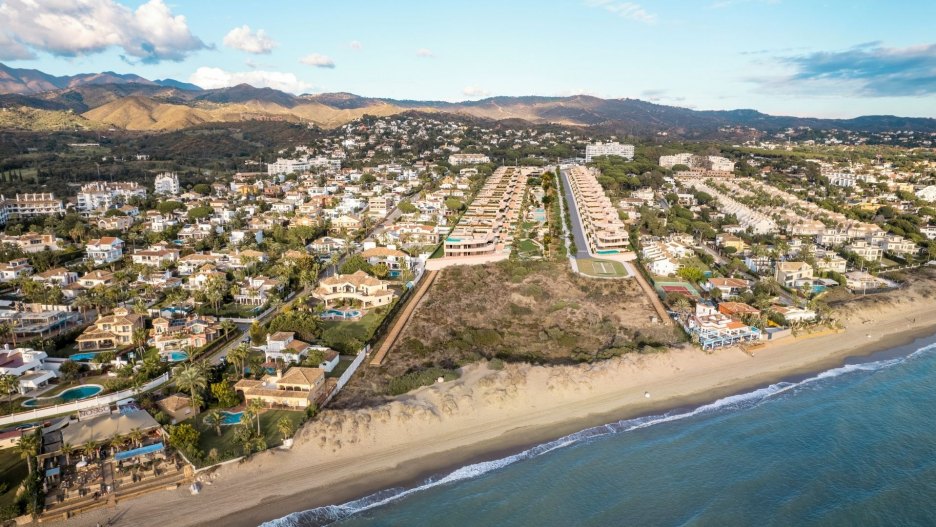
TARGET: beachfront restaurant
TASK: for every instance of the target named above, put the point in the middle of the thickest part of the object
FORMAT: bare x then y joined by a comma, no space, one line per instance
113,452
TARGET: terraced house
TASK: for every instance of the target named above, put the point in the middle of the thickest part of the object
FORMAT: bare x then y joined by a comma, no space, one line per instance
486,227
605,231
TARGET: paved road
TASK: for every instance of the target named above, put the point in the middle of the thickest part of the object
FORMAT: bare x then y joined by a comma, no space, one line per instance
581,243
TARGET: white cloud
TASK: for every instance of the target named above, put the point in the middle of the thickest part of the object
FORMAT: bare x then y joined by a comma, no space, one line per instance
425,53
356,45
318,60
629,10
211,78
244,39
79,27
475,91
10,49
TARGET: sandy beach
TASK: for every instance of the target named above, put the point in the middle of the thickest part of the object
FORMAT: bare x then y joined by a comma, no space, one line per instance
487,414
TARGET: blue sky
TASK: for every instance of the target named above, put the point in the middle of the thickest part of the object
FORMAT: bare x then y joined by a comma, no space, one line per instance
794,57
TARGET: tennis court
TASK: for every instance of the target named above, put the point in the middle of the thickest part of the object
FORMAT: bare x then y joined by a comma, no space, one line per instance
678,288
602,268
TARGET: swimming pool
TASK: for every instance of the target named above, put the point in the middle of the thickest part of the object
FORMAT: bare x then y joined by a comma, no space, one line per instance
67,396
175,356
608,251
82,357
344,314
231,418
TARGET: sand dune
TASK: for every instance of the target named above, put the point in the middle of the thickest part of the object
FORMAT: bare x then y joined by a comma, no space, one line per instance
347,453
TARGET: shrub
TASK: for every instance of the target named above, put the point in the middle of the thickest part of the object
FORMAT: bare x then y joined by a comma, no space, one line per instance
496,364
417,379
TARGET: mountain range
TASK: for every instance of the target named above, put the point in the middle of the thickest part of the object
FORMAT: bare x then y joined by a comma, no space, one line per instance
35,100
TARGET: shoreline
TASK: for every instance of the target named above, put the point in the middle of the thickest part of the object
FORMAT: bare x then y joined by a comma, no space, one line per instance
436,443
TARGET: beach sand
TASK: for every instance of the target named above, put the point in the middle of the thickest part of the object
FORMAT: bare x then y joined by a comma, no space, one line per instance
487,414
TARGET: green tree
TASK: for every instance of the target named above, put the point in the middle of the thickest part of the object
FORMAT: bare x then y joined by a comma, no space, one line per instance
183,437
8,386
224,392
190,377
285,427
214,419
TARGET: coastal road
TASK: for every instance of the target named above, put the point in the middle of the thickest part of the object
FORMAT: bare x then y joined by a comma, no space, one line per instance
578,234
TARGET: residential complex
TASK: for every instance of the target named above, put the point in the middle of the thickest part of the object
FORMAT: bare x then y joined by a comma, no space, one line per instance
486,227
605,231
608,149
468,159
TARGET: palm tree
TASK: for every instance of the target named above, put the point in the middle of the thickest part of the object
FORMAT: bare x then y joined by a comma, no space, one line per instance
89,449
8,386
136,437
285,427
8,329
190,377
256,406
239,357
227,327
214,419
139,340
28,447
67,450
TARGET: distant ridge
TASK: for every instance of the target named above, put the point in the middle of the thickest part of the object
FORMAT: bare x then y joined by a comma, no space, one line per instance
132,102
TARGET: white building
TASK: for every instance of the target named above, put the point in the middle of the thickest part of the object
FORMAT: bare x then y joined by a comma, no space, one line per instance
608,149
166,183
288,166
468,159
106,195
28,205
28,366
676,159
105,250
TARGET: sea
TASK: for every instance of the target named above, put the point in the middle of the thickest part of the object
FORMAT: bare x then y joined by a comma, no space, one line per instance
853,445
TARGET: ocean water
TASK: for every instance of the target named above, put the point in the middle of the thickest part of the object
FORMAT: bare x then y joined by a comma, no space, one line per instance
855,445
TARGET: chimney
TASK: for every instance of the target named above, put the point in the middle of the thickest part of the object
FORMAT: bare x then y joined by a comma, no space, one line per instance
279,373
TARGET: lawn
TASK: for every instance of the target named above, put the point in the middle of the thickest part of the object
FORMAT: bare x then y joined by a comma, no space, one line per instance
527,246
228,448
337,332
343,364
13,471
602,268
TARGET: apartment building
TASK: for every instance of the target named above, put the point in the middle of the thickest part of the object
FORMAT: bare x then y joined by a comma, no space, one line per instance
288,166
33,242
608,149
107,194
865,250
603,227
166,183
29,205
486,227
468,159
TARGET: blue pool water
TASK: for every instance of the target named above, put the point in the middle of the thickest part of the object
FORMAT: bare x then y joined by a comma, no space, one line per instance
854,445
176,356
231,418
337,313
69,395
608,251
83,357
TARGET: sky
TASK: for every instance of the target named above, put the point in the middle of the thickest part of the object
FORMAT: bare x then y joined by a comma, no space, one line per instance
833,58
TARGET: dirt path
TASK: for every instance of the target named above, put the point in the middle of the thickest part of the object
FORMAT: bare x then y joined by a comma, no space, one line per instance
402,319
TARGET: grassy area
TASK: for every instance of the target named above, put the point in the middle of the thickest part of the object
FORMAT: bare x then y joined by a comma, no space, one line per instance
13,471
343,364
527,246
338,334
602,268
225,444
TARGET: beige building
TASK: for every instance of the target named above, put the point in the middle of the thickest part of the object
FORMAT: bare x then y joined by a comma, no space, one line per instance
486,228
297,388
358,287
788,273
111,331
604,229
